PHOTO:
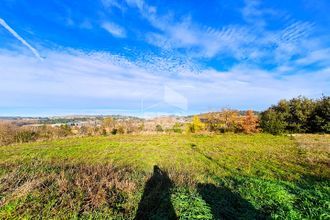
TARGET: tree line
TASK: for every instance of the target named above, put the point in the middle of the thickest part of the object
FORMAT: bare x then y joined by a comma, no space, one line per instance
297,115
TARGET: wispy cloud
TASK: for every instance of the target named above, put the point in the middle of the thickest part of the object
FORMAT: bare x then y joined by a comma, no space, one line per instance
204,40
251,41
255,14
296,31
114,4
18,37
114,29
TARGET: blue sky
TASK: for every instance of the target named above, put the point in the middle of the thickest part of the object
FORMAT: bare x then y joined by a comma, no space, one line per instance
160,57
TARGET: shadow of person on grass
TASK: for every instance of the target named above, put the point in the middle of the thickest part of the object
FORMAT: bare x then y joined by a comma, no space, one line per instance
156,199
225,204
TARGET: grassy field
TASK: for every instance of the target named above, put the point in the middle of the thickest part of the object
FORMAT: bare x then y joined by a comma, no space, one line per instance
227,176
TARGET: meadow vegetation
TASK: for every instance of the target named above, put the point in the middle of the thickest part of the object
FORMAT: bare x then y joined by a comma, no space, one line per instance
168,175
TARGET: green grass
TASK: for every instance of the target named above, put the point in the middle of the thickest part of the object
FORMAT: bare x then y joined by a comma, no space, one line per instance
228,176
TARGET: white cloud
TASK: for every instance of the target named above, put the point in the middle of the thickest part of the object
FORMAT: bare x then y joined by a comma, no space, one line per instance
18,37
114,29
75,79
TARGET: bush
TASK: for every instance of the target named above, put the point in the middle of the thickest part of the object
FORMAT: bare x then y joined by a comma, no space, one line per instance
177,128
114,131
250,123
108,122
25,135
63,131
300,110
159,128
195,126
121,130
45,132
10,133
225,121
320,117
83,130
272,122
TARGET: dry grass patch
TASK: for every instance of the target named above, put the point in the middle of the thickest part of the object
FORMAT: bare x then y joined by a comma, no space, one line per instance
73,190
315,149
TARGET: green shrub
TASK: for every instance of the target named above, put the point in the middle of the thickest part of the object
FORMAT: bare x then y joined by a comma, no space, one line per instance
272,122
320,118
114,131
300,110
159,128
177,128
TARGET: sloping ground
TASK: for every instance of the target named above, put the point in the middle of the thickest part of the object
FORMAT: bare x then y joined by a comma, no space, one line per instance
226,176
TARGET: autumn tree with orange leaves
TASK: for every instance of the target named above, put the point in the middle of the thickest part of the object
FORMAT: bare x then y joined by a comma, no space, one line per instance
250,123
